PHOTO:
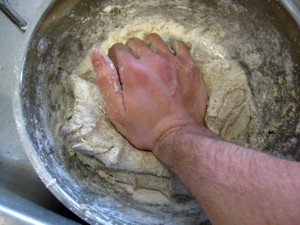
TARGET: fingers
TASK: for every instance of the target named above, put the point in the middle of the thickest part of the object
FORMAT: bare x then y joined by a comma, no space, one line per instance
121,57
157,44
138,47
107,78
182,51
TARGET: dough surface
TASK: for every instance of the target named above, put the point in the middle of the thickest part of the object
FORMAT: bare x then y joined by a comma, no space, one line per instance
231,112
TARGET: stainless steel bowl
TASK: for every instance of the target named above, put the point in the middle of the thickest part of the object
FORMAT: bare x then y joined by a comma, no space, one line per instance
75,185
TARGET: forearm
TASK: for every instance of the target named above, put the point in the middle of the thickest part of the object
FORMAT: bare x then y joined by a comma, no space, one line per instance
234,185
148,93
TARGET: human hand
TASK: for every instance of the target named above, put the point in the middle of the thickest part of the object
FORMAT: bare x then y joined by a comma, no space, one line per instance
150,91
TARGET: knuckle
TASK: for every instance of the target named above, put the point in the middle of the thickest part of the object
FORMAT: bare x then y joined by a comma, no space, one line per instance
127,67
133,67
132,72
160,60
193,69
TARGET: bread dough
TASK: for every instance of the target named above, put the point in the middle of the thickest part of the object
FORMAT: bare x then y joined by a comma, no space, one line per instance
231,112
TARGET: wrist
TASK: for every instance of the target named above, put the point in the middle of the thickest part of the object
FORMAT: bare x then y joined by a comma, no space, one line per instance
174,135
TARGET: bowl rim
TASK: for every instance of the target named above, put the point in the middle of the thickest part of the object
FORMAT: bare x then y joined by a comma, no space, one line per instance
34,159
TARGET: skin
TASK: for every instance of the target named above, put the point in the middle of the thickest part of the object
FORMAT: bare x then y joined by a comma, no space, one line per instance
156,99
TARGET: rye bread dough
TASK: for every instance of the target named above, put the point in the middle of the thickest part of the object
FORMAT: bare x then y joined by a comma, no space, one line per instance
231,112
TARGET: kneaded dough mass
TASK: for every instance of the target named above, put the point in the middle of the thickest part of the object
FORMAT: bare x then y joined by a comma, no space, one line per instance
231,112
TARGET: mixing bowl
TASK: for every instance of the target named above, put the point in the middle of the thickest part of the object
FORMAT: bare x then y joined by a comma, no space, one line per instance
62,35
